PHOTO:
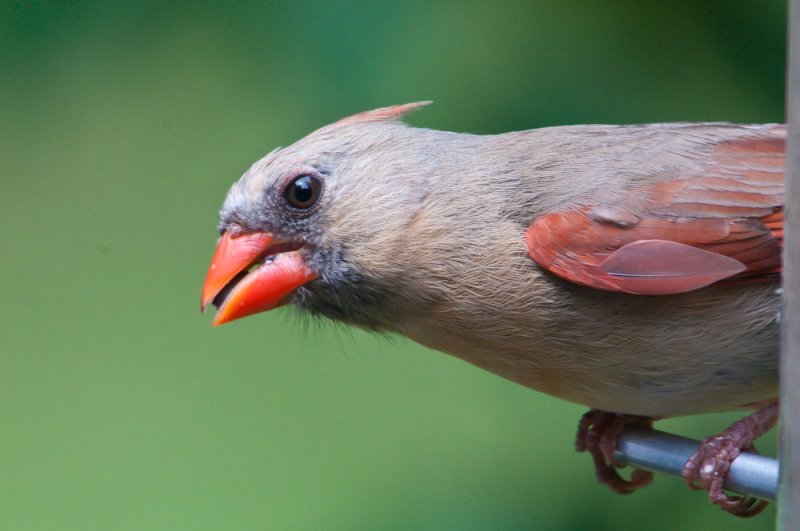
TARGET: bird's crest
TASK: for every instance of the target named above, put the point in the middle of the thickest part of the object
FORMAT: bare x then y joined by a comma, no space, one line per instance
384,114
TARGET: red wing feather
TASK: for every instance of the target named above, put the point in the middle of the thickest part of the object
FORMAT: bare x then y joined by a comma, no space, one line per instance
676,234
660,267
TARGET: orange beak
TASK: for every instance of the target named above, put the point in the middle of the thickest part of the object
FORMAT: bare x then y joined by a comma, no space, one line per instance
254,290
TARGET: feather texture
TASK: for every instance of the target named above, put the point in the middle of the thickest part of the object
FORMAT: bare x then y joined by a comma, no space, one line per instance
729,207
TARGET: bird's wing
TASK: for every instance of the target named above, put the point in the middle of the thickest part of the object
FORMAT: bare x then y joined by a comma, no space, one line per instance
722,219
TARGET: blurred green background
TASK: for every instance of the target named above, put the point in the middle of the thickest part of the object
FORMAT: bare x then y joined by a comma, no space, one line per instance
122,124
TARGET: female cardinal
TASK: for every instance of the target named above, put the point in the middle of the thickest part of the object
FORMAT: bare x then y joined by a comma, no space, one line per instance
632,269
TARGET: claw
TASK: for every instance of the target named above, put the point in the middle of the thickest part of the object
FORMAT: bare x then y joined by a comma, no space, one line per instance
597,434
708,467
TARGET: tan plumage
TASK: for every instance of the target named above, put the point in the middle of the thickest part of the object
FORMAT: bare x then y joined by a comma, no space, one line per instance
496,249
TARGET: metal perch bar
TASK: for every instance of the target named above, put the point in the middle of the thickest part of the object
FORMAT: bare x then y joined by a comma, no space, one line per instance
789,441
750,473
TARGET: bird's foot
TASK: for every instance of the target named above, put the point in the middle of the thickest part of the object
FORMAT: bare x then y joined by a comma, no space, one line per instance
708,467
597,434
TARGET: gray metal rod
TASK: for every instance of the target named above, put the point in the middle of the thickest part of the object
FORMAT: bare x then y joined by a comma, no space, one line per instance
750,473
789,501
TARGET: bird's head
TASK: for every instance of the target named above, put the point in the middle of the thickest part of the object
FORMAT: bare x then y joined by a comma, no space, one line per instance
317,223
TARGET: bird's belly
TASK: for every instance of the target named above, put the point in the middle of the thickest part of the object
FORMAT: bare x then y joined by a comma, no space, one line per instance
632,388
680,355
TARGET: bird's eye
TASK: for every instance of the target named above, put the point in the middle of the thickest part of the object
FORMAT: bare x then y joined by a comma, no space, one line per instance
303,192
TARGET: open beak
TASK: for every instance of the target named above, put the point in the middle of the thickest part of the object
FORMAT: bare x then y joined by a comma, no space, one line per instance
237,290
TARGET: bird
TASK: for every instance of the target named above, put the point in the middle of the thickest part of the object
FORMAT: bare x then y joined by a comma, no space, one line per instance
632,269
